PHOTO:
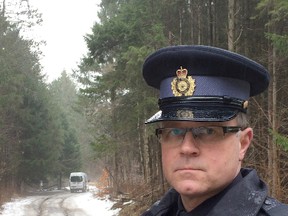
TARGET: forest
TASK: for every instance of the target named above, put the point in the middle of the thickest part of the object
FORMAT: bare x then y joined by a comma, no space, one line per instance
39,140
113,101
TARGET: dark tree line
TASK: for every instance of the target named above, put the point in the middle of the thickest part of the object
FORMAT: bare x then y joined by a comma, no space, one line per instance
119,100
37,134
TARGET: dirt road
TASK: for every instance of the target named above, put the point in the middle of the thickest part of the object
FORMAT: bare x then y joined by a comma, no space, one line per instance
59,203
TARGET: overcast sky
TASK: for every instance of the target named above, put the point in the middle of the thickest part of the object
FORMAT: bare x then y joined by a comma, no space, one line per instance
65,22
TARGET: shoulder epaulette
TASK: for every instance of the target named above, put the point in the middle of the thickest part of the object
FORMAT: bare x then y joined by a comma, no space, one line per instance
275,208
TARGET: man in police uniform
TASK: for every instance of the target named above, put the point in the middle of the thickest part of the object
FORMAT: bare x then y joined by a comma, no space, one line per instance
204,133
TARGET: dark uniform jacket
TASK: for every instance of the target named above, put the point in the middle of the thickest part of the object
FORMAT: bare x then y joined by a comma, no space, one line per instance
245,196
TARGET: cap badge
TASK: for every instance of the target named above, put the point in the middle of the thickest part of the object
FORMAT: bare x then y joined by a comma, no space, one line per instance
183,85
185,114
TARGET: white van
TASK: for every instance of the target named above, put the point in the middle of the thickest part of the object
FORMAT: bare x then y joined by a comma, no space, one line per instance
78,181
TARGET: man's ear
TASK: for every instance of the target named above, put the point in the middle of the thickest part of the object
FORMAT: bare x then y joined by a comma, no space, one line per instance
246,137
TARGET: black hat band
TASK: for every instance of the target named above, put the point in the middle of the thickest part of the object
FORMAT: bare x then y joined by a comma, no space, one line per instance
198,102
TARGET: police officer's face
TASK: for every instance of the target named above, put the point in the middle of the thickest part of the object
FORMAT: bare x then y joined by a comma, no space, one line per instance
199,169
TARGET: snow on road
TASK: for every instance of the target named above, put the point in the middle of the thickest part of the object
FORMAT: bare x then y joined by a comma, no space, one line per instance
92,206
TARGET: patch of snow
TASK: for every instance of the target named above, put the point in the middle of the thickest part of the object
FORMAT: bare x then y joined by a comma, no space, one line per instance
86,201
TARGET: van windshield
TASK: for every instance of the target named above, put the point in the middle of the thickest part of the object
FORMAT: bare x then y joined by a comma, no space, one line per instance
76,179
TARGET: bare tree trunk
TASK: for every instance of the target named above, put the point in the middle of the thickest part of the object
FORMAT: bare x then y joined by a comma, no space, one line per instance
272,112
146,156
3,8
210,22
231,24
191,12
140,148
199,23
245,43
180,25
273,155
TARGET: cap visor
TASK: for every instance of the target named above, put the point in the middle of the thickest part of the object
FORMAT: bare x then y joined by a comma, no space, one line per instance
196,114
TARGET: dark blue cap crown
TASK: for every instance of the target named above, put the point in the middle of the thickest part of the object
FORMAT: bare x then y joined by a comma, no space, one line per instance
202,83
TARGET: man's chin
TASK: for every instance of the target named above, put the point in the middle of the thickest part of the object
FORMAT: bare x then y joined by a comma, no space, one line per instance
188,187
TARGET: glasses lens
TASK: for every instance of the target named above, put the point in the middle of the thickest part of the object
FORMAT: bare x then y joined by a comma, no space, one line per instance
207,134
201,135
170,135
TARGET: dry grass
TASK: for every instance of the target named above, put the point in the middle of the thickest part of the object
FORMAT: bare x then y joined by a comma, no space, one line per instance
6,194
137,200
133,209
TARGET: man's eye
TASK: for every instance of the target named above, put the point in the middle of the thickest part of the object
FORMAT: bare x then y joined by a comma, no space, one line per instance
203,131
209,131
177,131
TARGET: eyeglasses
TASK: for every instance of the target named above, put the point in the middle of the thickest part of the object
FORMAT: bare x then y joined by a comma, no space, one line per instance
202,135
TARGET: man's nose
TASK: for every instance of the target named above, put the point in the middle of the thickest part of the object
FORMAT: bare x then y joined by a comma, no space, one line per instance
189,145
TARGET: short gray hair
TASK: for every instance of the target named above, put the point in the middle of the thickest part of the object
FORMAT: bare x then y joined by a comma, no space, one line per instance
242,120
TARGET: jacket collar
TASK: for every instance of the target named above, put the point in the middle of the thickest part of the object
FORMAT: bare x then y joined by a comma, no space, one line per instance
244,198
